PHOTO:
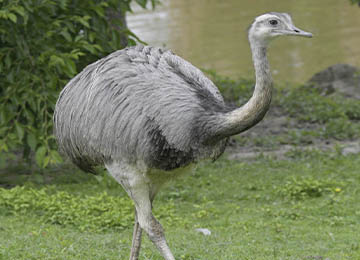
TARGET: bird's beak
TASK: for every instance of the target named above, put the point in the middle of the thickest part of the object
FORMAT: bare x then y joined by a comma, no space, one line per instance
298,32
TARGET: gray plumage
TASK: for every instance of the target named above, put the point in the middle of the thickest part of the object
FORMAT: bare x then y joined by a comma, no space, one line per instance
146,114
140,103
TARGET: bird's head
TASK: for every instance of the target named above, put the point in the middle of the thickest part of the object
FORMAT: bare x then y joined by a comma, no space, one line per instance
270,25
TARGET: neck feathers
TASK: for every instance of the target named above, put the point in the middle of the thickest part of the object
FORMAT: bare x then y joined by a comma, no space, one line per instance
248,115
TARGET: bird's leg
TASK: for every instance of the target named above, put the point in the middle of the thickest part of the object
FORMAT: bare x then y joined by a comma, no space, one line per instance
136,241
141,196
155,232
138,187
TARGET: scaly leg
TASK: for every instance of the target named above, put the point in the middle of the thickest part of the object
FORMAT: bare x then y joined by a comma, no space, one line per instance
152,227
136,241
138,187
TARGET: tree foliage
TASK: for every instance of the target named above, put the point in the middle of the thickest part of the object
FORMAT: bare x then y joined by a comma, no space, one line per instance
43,44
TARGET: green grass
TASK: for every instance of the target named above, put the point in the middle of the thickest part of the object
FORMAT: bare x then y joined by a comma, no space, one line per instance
304,207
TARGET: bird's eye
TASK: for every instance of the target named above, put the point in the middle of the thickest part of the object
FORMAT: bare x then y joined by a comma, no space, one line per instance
273,22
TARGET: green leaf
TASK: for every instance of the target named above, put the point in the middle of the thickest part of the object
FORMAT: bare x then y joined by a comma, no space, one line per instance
71,67
56,60
98,47
92,36
84,21
19,9
63,4
75,54
12,17
55,157
3,116
19,130
46,161
78,38
3,146
154,3
40,155
8,62
31,141
66,35
142,3
130,33
90,48
99,11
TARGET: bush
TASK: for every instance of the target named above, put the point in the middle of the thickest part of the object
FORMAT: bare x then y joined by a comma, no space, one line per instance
42,45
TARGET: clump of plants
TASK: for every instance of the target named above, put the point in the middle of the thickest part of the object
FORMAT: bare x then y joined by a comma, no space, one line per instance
93,213
332,117
308,187
309,106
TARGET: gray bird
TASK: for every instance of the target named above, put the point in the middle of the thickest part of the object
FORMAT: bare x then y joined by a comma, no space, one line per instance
147,115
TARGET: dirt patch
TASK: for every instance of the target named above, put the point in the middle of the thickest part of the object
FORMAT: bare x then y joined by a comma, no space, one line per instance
281,152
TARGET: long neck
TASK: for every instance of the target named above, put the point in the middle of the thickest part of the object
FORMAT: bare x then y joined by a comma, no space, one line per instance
248,115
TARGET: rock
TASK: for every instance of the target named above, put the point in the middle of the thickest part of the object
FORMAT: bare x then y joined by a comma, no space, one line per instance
352,149
340,78
204,231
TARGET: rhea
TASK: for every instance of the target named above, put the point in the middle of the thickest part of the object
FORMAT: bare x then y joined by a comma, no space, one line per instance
147,115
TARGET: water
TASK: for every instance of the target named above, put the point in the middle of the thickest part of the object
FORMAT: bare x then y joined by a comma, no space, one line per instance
211,34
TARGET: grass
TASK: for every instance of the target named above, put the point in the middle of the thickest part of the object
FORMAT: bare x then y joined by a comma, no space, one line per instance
304,207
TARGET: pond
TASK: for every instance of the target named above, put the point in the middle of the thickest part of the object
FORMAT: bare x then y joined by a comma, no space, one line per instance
211,34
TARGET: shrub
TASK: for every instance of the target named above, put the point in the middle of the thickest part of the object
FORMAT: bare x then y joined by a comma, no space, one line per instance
42,45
